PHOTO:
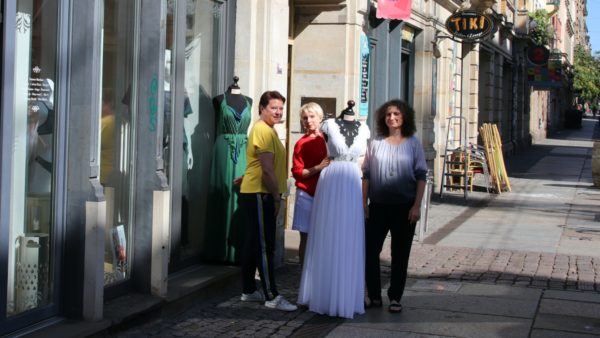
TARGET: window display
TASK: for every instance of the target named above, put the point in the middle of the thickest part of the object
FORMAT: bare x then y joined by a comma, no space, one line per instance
202,21
31,222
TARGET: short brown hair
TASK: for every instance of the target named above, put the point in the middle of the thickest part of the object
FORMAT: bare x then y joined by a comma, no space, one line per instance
268,96
408,118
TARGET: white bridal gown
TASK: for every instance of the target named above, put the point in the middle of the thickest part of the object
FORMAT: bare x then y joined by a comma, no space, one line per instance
333,275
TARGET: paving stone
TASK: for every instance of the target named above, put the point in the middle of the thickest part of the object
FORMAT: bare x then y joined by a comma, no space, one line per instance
555,322
570,308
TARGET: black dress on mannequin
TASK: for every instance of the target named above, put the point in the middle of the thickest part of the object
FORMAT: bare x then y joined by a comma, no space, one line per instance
222,237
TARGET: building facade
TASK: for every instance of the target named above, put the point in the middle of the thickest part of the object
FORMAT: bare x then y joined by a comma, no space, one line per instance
108,121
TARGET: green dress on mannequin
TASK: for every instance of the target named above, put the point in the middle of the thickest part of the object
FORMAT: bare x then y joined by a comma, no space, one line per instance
223,228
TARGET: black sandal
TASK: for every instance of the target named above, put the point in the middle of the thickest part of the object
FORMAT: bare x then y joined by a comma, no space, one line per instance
372,303
395,307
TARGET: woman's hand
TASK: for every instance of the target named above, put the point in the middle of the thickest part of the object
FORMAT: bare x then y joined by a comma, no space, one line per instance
366,209
323,164
414,214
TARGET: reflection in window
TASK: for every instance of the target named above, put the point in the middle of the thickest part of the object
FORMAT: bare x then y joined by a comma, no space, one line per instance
116,136
30,265
202,18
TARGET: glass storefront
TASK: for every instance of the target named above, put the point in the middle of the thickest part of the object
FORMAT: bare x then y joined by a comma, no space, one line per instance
199,121
117,135
31,226
89,63
202,19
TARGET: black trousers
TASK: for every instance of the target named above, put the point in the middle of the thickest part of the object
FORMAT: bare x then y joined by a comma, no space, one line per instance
258,246
384,218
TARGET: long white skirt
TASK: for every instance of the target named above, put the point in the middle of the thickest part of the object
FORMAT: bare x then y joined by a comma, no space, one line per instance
333,275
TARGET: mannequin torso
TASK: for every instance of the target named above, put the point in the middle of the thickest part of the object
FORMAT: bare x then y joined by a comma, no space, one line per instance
236,101
348,129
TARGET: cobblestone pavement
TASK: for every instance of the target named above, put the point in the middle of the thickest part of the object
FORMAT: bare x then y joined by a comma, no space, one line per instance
224,315
521,268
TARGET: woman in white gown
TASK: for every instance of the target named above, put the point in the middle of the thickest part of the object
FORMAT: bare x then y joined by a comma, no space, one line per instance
333,274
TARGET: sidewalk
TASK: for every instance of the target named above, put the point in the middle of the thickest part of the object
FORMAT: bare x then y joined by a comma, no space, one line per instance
545,233
519,264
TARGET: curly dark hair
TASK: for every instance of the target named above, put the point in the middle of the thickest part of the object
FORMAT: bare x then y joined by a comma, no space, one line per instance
408,118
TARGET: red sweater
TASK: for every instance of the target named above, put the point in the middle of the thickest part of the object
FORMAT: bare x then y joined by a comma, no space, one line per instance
308,152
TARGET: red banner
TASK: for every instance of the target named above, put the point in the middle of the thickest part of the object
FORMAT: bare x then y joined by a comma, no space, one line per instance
394,9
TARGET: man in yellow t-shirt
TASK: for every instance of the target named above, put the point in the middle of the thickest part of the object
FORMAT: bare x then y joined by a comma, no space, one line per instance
260,199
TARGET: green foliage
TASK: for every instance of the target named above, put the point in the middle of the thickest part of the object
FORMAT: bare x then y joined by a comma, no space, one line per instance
586,74
542,32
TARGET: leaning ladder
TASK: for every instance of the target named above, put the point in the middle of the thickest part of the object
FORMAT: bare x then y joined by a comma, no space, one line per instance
454,145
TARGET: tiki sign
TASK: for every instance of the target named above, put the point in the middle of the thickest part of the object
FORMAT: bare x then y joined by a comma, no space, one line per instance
471,26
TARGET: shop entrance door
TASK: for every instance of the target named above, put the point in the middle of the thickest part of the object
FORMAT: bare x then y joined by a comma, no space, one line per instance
31,193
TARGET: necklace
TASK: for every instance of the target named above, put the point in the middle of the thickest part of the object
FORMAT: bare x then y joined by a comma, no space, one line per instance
348,129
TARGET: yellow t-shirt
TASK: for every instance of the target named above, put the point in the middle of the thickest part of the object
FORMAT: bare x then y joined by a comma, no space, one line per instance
263,139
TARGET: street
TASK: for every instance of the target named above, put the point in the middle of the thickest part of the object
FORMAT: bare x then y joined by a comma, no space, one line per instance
524,263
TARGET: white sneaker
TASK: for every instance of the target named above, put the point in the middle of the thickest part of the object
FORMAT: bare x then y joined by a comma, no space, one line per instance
280,303
255,296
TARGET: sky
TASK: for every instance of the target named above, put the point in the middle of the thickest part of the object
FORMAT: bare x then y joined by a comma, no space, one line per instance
593,7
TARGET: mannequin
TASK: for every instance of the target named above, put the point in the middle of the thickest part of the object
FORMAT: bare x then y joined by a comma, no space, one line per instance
347,123
234,97
337,224
222,237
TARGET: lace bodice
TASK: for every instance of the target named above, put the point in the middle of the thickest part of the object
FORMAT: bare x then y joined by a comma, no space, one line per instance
336,142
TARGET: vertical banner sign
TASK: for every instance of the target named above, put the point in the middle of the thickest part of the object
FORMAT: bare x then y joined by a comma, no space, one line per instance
364,75
394,9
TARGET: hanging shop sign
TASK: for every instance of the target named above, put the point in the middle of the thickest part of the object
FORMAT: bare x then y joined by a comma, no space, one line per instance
538,55
364,75
471,26
548,75
394,9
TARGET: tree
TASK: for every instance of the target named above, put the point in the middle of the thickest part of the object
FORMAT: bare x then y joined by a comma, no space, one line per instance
540,29
586,75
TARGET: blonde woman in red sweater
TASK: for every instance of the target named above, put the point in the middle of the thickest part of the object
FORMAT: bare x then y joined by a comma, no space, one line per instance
310,157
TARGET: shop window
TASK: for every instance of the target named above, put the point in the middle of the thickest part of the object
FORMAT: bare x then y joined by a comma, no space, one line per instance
30,265
117,135
202,18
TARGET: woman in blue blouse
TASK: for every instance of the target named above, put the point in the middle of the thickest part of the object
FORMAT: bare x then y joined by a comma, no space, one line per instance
394,173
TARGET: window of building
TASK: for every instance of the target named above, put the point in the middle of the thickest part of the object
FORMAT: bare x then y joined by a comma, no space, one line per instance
30,263
117,135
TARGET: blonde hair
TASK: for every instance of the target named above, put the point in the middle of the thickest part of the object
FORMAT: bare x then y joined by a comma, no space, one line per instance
311,107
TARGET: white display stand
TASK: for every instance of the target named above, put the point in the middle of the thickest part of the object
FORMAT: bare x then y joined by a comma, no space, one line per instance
31,288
